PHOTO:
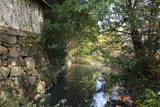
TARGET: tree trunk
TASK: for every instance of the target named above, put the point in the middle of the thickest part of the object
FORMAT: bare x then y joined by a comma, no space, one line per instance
140,54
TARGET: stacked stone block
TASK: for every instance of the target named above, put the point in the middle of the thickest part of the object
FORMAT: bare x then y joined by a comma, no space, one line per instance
22,59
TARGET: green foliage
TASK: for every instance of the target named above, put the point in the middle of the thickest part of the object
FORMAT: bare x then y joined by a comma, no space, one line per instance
151,98
71,20
144,91
42,100
88,46
54,43
99,29
148,95
136,20
127,63
61,103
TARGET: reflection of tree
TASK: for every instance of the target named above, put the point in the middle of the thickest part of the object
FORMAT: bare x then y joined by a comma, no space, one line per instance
80,85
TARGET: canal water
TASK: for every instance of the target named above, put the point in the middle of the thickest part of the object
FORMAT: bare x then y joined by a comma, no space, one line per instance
87,86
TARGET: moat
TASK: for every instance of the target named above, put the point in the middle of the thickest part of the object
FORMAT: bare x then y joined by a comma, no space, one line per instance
86,86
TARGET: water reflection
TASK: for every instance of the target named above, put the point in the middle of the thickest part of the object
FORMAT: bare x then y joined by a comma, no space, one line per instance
100,84
77,87
84,86
100,98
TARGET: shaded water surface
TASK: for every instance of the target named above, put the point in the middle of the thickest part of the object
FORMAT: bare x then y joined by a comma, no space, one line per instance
84,86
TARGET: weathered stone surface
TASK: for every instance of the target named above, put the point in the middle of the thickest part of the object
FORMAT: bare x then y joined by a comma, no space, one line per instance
4,72
3,60
17,14
44,68
16,62
20,59
32,79
16,81
17,71
24,52
11,31
41,87
30,63
15,32
19,49
9,39
4,57
43,60
13,52
3,63
3,50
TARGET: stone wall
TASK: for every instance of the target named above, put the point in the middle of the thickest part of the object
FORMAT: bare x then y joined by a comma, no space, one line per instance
22,62
26,15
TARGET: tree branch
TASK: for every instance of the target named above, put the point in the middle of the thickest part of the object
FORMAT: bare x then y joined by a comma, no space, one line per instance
124,32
